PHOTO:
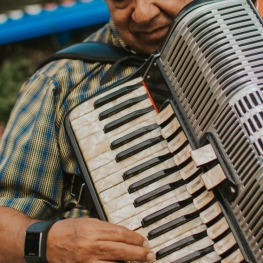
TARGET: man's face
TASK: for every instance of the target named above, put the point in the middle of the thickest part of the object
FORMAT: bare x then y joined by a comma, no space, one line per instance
143,24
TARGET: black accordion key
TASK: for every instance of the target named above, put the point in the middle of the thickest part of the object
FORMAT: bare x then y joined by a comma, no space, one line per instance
137,148
180,244
195,255
151,179
122,106
172,225
132,136
126,119
157,192
154,217
114,95
144,166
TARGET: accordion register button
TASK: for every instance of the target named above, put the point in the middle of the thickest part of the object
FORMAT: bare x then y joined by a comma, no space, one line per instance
203,155
126,119
116,94
146,165
218,228
154,217
138,148
177,142
158,192
183,155
122,106
180,244
172,225
225,244
170,128
133,135
195,185
189,170
152,178
203,199
164,115
213,177
210,213
235,257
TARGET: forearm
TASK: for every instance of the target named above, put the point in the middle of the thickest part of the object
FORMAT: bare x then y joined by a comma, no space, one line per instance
13,225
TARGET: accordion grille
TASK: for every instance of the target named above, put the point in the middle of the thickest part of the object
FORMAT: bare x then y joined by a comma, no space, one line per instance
215,65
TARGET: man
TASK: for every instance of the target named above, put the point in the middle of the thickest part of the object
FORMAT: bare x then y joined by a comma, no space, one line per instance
36,160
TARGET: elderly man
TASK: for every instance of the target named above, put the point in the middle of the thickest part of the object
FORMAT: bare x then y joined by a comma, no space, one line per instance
36,159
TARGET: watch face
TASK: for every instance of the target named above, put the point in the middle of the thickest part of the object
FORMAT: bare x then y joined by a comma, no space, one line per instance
32,244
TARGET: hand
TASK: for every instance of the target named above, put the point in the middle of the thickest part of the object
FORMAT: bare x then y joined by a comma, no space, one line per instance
87,240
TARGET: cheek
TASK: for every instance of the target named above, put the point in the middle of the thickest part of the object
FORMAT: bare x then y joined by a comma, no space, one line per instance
175,7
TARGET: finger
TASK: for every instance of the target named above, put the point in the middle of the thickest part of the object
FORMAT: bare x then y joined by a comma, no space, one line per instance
112,251
111,232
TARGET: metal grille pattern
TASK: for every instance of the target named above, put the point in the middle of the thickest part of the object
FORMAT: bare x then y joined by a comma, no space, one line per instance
215,64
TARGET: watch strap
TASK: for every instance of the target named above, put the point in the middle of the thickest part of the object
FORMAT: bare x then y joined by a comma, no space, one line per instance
35,242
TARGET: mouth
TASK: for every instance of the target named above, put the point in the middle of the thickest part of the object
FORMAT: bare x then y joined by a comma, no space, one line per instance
155,35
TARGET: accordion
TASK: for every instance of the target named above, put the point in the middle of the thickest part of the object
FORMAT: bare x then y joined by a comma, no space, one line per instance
175,151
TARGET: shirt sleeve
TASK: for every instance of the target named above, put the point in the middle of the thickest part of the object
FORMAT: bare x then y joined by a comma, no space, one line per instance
31,178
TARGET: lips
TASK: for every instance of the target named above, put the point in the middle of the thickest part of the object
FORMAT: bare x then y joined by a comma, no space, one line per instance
155,35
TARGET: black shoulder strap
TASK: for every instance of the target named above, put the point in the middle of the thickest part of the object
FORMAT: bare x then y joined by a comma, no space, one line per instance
89,52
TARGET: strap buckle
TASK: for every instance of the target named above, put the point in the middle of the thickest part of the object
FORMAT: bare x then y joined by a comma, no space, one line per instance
76,186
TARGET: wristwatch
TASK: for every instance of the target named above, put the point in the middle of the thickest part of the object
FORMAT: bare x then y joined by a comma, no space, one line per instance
35,242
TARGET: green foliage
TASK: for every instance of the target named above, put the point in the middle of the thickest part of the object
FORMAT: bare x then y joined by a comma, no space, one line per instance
13,73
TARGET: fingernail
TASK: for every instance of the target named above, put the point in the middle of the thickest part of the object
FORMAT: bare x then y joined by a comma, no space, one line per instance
151,256
146,244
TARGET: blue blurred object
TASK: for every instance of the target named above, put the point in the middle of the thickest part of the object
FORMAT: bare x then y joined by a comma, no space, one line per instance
62,18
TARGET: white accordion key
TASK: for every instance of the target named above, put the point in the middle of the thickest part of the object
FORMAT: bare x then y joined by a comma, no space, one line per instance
112,167
203,155
209,258
225,244
195,185
218,228
210,213
97,140
181,212
188,170
88,105
103,183
235,257
164,115
175,234
177,142
135,222
130,211
183,155
121,188
195,227
203,199
170,128
110,155
118,202
213,177
188,250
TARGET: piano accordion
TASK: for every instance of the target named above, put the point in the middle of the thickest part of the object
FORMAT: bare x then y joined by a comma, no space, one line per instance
175,151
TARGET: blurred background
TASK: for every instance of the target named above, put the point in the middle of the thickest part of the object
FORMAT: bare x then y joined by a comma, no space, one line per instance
34,29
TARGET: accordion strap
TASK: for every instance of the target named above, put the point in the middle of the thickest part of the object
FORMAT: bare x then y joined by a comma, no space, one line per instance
90,52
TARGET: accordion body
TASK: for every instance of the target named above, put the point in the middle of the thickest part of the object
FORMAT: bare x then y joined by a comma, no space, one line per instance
181,161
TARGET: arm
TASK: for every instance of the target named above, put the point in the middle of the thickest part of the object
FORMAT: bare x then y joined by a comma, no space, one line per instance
72,240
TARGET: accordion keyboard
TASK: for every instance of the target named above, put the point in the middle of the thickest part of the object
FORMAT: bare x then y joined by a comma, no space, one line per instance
148,178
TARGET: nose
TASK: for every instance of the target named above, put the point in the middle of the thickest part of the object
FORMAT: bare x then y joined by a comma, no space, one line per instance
144,11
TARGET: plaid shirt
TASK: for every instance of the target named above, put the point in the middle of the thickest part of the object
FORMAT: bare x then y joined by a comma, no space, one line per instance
36,158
